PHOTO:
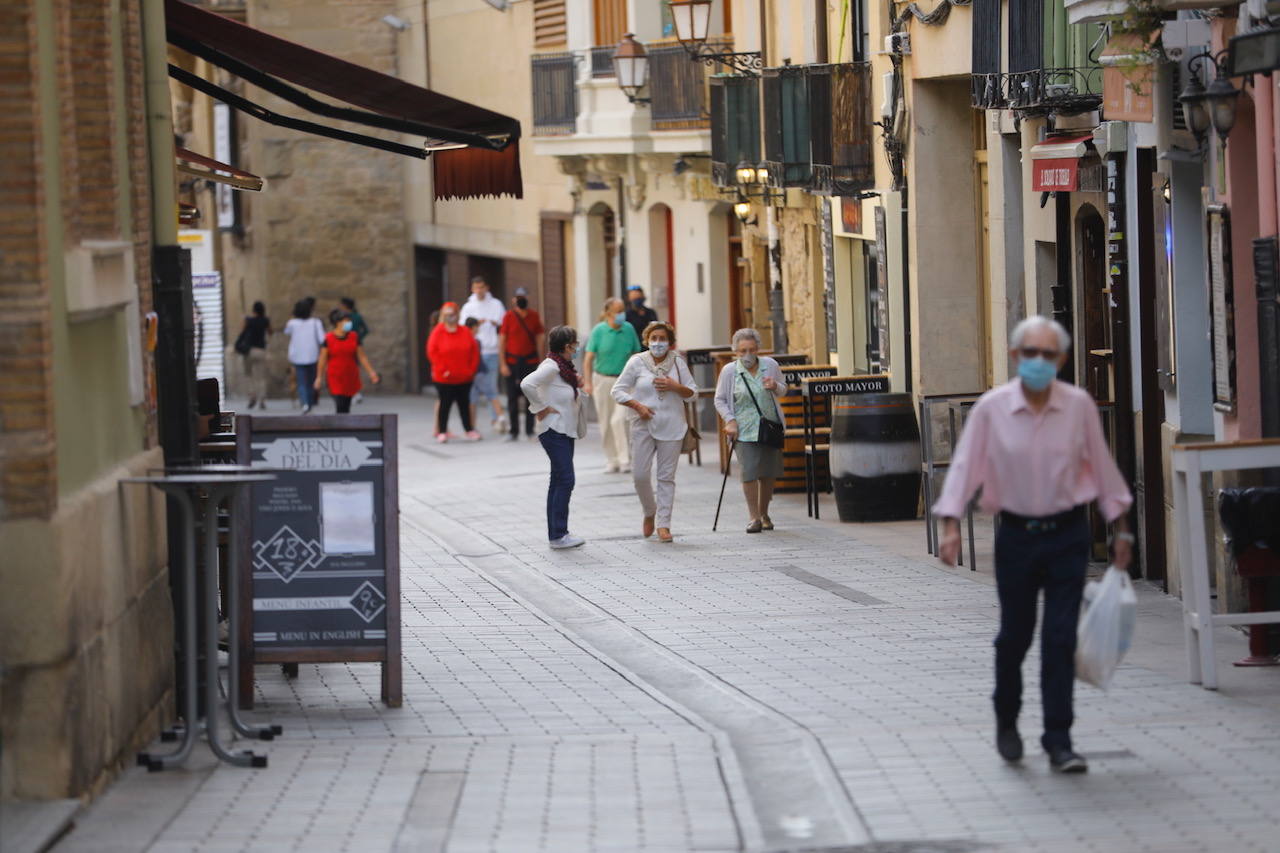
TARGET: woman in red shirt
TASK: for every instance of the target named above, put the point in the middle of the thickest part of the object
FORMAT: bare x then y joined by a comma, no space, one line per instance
454,355
341,358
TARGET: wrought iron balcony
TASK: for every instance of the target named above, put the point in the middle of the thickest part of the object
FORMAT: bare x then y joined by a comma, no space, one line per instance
555,94
678,86
1043,90
602,60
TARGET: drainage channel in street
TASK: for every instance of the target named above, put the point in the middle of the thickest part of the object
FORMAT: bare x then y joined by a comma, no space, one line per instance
786,793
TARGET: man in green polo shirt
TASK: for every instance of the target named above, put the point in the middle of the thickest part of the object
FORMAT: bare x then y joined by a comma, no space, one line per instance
612,342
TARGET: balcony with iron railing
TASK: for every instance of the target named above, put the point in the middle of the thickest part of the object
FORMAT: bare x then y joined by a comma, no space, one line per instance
555,94
1051,66
575,95
678,85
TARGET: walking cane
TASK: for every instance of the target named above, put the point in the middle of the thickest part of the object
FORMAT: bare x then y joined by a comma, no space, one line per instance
727,465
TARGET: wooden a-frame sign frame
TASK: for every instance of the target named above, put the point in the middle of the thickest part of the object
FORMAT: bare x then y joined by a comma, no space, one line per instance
250,429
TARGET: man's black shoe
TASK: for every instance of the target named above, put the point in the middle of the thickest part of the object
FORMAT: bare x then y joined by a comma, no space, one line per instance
1066,761
1009,742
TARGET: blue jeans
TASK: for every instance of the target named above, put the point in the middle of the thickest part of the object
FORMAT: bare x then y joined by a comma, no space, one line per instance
306,376
559,449
485,385
1025,564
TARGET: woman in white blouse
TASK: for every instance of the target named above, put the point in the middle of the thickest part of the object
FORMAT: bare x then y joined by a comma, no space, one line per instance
555,398
750,388
654,385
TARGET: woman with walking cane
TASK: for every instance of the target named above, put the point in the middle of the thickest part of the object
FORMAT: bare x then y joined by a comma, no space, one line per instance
747,398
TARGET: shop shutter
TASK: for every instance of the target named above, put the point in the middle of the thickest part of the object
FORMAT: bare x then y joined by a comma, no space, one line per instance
549,30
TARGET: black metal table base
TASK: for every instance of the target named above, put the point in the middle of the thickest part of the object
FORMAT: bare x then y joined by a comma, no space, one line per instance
218,483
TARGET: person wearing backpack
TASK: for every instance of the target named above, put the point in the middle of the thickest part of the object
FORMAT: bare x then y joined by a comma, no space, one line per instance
519,342
1035,447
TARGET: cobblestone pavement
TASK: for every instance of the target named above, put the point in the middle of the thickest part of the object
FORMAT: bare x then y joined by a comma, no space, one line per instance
822,686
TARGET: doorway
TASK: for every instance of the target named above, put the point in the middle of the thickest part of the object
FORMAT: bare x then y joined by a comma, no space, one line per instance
662,278
429,287
602,255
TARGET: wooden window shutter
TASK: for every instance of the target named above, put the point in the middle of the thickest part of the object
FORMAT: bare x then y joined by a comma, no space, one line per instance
610,21
553,271
549,24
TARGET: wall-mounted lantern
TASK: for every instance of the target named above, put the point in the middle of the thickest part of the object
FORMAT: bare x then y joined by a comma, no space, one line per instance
631,68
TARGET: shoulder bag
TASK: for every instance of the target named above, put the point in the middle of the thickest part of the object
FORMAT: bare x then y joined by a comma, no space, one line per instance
689,443
770,432
242,342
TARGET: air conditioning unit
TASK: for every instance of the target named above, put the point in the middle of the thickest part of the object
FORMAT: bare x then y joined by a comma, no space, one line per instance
898,43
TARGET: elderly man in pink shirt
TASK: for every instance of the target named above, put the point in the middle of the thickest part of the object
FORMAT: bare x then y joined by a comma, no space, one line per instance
1035,448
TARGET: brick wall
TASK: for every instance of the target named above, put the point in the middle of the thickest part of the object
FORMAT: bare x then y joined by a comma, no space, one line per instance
90,192
27,483
139,184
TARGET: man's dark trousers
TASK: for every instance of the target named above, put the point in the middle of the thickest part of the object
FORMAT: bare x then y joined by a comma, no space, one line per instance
520,368
1027,562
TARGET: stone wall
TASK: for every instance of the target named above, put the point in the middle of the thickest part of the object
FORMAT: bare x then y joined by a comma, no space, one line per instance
86,665
86,637
331,220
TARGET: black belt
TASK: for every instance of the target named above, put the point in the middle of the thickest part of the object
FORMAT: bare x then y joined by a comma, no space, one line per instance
1044,523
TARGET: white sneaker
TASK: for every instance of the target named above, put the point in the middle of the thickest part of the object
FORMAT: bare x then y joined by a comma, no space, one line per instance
611,468
567,541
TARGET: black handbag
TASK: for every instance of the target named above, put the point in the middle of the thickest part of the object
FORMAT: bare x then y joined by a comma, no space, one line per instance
770,433
242,342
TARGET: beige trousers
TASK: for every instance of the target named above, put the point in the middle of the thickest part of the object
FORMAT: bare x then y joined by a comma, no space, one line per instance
255,367
613,421
649,454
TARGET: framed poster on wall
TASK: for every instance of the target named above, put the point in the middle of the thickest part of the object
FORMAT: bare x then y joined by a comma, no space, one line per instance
1221,310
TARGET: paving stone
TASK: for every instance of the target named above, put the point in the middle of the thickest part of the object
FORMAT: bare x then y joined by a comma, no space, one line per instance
883,657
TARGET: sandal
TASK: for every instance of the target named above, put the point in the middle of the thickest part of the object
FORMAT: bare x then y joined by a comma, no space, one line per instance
766,523
664,536
755,526
647,527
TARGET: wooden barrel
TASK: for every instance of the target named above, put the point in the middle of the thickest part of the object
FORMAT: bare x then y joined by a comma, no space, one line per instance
875,457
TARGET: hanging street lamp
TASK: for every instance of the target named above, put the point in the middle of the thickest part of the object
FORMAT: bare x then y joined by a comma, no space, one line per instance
1213,107
631,68
692,19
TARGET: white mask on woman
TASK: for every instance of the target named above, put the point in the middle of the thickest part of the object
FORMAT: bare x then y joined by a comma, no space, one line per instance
749,360
658,349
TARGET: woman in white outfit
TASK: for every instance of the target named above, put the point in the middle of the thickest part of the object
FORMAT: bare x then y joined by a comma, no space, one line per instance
555,398
654,385
750,388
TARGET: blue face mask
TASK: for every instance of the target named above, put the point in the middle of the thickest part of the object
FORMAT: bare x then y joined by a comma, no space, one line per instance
1036,373
620,317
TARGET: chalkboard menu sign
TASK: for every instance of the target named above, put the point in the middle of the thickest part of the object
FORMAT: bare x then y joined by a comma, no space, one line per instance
323,550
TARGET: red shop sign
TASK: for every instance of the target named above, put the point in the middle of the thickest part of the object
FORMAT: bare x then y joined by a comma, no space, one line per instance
1055,175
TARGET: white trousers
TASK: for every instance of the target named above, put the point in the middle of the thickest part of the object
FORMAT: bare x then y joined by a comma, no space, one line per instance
646,450
613,421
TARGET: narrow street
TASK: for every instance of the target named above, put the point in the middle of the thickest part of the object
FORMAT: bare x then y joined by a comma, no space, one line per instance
820,687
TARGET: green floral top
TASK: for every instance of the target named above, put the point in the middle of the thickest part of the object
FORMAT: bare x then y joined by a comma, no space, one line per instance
747,415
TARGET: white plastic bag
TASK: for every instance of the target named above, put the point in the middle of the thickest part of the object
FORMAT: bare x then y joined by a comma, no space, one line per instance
1106,627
